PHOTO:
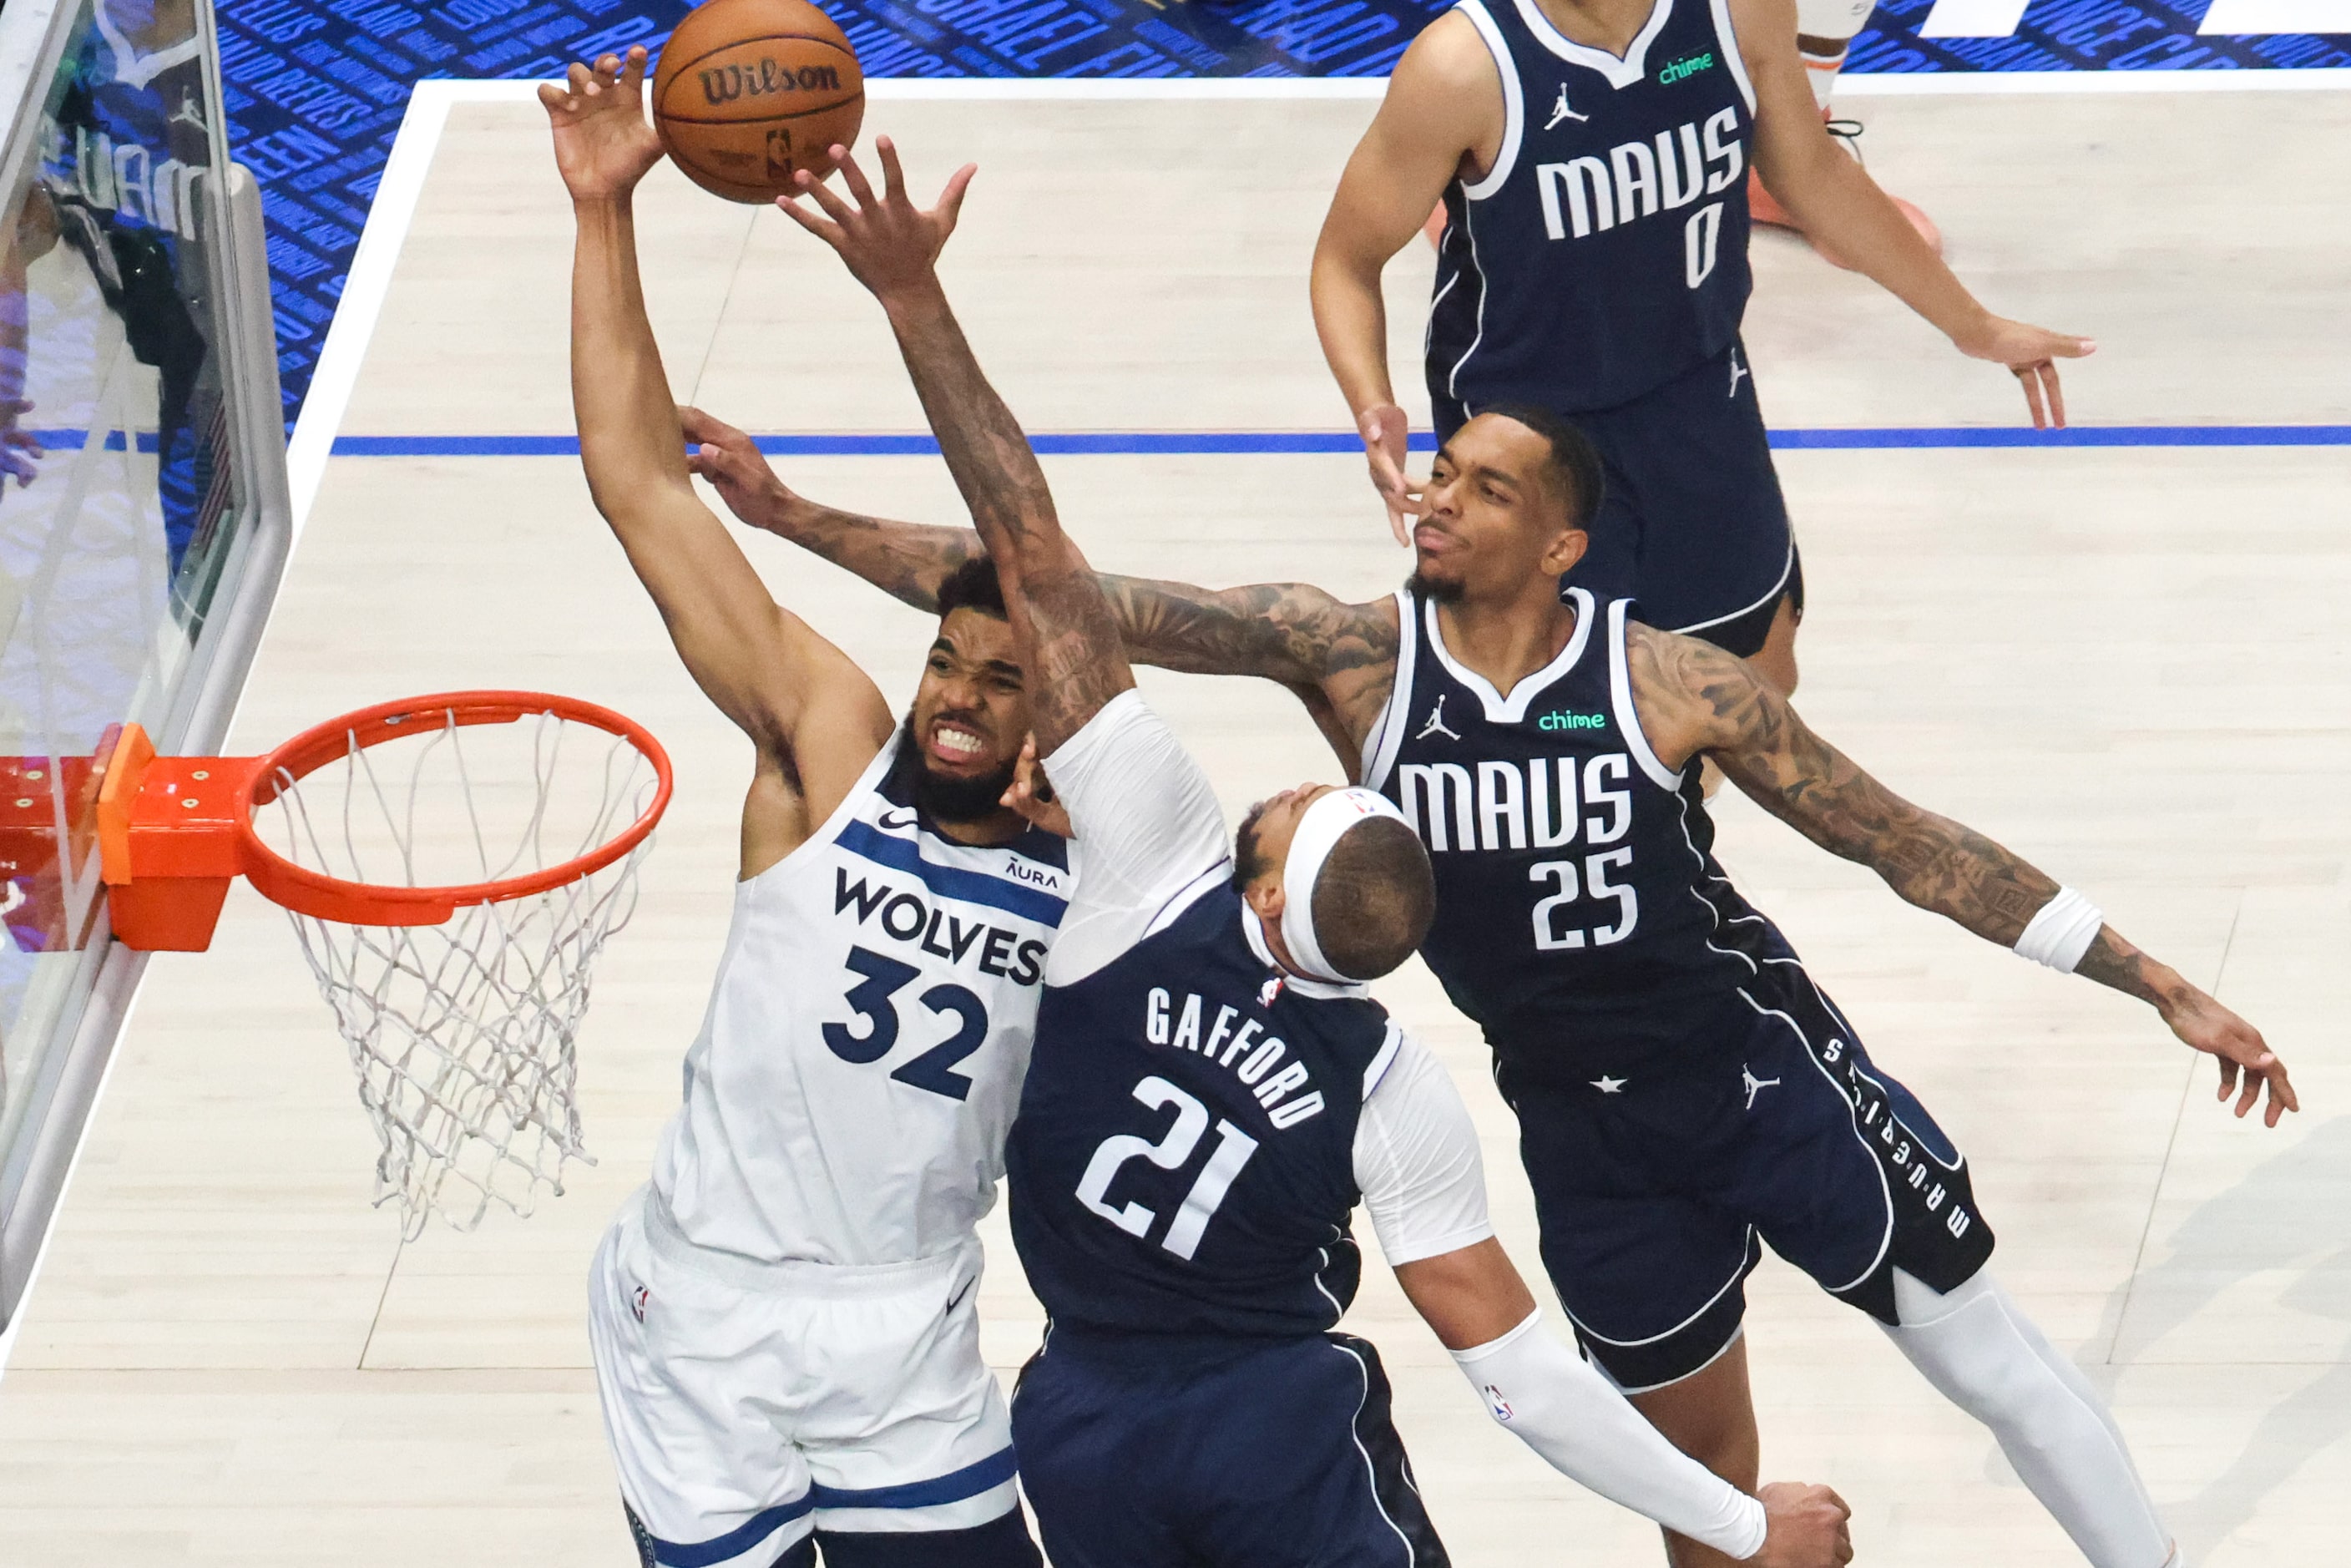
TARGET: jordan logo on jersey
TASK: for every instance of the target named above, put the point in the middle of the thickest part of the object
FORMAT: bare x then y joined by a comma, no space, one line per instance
1435,725
1560,111
1756,1085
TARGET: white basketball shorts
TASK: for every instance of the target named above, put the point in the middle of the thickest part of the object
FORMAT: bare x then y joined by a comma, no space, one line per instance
749,1404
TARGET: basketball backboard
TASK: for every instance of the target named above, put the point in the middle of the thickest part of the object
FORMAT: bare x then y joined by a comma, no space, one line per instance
143,514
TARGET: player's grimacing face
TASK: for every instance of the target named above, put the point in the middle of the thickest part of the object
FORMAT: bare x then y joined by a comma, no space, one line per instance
1492,519
971,711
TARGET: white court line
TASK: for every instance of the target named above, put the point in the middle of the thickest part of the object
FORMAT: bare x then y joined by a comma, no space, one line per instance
1972,19
369,278
2249,17
419,138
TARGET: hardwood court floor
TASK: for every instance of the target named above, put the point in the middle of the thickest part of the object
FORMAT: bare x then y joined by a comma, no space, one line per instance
2130,664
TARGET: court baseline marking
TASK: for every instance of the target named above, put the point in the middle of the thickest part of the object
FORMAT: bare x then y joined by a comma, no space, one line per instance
1291,443
317,430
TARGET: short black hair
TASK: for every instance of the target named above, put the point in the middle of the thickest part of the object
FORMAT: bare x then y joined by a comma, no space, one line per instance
1575,461
1375,898
973,585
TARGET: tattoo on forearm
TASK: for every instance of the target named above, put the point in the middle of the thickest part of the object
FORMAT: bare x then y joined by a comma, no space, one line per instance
1291,633
1759,740
907,561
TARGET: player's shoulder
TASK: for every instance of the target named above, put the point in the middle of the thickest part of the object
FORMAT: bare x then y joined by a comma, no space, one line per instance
1449,57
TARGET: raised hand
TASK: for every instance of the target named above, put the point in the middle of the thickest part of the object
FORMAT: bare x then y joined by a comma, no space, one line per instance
889,243
1808,1527
2031,354
603,144
735,466
1031,794
18,446
2206,1026
1384,429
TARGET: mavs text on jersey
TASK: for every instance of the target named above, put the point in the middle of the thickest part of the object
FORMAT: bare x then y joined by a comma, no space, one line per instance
1605,253
1684,1090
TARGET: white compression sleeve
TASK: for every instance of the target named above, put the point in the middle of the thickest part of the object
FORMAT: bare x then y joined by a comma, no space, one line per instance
1565,1411
1983,1355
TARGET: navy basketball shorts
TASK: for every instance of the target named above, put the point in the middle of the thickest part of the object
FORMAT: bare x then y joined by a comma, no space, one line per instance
1281,1456
1693,526
1654,1192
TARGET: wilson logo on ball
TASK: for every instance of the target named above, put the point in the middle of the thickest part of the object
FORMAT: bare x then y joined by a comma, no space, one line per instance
762,77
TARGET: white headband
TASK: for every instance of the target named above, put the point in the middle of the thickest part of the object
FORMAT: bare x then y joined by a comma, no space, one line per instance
1318,832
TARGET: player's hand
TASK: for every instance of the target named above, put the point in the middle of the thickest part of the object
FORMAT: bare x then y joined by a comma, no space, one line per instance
18,447
736,468
1031,794
2245,1058
1384,429
889,243
2031,354
1807,1526
603,143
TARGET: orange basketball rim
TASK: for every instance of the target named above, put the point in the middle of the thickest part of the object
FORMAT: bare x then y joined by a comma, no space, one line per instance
174,831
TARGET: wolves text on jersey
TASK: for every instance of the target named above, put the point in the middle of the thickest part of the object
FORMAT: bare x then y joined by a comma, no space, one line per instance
1232,1042
907,916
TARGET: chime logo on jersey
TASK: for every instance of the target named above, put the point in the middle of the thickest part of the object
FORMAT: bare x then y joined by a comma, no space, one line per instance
1636,180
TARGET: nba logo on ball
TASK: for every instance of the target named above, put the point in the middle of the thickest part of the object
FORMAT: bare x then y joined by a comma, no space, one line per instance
749,93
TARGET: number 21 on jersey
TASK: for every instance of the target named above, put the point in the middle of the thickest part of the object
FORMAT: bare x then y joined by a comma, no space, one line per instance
1173,1151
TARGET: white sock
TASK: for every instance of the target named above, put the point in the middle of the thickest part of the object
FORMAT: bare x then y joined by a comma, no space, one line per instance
1981,1353
1832,21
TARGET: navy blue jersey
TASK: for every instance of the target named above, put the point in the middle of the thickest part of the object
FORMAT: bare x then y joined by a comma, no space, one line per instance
1605,252
1580,918
1183,1162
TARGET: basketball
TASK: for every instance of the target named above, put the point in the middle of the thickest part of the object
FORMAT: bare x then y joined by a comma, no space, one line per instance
750,92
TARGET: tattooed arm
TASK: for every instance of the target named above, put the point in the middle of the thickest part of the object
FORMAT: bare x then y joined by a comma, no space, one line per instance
1338,659
1696,699
1077,662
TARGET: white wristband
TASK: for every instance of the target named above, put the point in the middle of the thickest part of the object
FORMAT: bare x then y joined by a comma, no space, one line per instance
2062,932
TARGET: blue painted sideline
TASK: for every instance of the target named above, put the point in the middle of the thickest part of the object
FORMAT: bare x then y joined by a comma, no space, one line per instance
1229,442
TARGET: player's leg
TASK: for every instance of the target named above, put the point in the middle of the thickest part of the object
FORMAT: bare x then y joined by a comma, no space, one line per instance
1851,1180
1715,555
1983,1355
1095,1462
1825,33
1652,1280
681,1361
1280,1457
1709,1416
907,1437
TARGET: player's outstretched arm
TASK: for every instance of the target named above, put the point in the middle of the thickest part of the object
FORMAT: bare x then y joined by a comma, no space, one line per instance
1539,1390
1337,658
812,713
1443,107
1057,608
1695,698
1836,203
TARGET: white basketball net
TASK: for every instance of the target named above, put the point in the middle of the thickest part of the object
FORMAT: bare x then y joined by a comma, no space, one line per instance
463,1033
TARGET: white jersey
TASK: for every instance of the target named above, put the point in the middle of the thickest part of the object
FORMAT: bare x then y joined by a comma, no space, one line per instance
848,1097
